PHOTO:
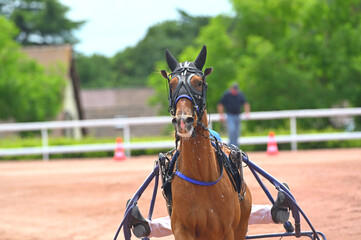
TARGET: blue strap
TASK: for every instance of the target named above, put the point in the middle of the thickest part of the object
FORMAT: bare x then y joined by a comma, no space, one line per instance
196,182
188,97
188,179
215,134
183,96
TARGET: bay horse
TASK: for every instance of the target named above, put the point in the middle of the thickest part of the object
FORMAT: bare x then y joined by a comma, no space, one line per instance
205,204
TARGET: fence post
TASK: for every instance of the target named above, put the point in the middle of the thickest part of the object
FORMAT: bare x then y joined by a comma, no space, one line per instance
293,126
45,142
210,124
127,138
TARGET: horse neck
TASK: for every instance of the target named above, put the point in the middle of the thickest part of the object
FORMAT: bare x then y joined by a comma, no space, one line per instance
197,159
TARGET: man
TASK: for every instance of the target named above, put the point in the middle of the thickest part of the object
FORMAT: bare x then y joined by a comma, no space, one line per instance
232,101
260,214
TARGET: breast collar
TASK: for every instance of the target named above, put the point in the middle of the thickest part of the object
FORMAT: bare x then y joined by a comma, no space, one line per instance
184,89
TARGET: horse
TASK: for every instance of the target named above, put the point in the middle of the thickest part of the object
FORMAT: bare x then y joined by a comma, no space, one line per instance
205,204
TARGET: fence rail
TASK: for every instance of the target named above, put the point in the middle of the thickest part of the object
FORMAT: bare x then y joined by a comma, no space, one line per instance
126,123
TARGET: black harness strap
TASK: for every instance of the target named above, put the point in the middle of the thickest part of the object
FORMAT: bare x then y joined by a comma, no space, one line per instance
234,171
184,72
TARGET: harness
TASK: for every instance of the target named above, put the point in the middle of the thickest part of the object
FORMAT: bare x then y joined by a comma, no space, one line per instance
232,164
161,167
184,89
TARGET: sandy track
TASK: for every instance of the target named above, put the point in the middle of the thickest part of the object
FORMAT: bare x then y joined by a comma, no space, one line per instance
84,199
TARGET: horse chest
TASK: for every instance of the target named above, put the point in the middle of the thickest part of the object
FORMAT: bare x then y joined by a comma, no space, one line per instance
205,207
202,224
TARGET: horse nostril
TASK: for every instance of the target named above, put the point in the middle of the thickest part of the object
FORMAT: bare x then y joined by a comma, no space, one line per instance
174,121
189,120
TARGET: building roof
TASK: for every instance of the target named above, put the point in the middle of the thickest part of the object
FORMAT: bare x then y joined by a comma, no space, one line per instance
123,97
48,55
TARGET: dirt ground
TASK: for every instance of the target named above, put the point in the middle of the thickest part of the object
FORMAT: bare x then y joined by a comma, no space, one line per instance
85,199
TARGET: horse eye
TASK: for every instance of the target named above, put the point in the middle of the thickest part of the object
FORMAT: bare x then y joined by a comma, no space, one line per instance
199,83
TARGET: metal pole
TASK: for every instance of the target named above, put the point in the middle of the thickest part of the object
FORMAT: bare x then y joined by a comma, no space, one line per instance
293,126
45,142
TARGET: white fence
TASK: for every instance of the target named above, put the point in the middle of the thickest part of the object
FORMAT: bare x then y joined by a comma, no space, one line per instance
126,123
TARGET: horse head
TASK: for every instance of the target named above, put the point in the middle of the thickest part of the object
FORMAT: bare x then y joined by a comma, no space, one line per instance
187,91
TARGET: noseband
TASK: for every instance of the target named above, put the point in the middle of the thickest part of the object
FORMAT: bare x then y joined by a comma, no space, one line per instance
184,89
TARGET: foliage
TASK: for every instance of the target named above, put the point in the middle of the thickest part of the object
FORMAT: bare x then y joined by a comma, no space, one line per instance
156,81
132,66
307,59
284,54
95,71
220,56
40,21
27,92
215,37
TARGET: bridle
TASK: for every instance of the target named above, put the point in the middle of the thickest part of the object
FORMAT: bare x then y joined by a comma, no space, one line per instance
184,72
184,89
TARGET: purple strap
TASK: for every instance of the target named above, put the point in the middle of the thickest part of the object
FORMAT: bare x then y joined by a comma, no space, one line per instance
188,97
183,96
191,180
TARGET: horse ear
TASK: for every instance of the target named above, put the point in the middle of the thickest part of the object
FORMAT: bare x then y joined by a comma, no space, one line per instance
201,59
172,62
164,74
208,71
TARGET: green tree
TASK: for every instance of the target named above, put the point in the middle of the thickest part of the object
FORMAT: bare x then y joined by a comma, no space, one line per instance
220,55
298,54
132,66
27,92
330,48
95,71
266,72
284,54
40,21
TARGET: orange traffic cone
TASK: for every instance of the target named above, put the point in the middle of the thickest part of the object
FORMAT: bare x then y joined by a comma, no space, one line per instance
119,154
272,148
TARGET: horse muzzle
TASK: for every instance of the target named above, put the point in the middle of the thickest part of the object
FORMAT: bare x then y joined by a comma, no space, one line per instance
184,125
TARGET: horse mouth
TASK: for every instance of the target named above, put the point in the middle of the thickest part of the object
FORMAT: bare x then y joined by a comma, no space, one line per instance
183,126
